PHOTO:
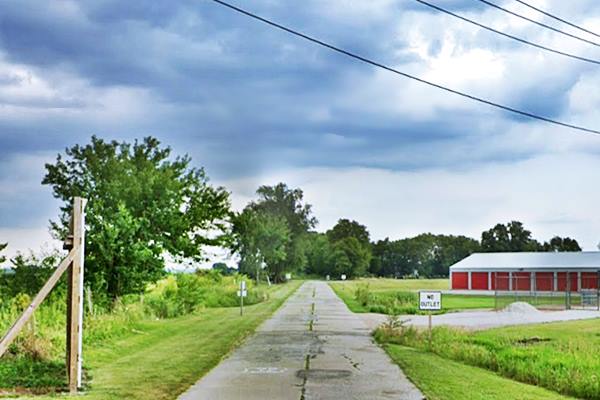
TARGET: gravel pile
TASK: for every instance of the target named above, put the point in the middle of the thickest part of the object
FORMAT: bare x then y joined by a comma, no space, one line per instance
521,307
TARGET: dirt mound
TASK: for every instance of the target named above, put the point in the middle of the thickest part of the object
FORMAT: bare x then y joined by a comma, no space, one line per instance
521,307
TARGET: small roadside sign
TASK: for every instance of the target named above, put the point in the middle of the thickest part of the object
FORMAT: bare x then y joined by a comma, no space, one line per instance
343,277
241,294
430,301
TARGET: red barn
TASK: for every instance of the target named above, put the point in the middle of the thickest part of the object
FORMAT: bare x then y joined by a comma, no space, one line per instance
527,271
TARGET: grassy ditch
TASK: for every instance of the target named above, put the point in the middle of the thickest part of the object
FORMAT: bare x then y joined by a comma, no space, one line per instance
179,318
395,296
442,379
562,357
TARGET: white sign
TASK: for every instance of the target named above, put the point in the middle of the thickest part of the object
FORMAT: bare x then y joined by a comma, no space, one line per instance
243,285
431,301
343,277
288,277
242,293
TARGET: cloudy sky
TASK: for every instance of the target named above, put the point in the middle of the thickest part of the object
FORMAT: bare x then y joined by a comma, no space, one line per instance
254,106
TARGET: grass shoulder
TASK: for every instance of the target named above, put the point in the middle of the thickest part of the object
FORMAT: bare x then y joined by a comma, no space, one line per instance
561,357
442,379
160,359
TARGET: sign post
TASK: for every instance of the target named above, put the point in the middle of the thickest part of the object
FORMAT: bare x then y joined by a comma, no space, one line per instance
241,294
430,301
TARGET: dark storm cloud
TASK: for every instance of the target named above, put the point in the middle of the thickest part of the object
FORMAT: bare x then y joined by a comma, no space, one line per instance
240,97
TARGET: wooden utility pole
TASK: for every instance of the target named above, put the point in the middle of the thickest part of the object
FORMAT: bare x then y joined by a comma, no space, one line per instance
73,263
75,300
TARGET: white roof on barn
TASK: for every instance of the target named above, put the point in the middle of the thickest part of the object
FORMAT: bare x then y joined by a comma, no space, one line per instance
530,260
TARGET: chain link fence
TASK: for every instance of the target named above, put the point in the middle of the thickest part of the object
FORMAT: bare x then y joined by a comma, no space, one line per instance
548,290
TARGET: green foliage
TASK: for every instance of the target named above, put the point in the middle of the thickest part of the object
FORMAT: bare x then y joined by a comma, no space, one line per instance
318,254
347,229
185,293
2,247
510,237
429,255
363,295
29,273
350,257
223,269
561,244
561,356
261,241
277,210
142,202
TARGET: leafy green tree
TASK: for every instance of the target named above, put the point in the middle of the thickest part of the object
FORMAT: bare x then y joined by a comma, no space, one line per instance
318,254
351,247
561,244
2,247
288,204
510,237
261,239
346,228
223,269
142,204
429,255
350,257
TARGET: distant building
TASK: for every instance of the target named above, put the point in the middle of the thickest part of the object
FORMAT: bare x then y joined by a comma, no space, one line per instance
527,271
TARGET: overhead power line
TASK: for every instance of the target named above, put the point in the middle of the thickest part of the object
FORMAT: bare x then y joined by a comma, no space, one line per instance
558,19
539,23
406,75
518,39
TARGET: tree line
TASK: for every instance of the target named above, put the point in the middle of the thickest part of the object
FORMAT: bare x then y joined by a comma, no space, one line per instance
146,204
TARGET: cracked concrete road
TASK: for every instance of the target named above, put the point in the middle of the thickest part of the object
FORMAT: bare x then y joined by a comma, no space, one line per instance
312,348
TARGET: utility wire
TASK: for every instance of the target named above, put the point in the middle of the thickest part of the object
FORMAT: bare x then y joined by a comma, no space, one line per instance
539,23
558,19
539,46
406,75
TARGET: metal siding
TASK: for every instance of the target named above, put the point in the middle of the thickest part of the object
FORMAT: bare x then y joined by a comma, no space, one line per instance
479,280
460,280
544,281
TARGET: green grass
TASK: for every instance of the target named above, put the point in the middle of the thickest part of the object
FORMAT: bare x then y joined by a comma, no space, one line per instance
394,295
562,357
442,379
160,359
385,284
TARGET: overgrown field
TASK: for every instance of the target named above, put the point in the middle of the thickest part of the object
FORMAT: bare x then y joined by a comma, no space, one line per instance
400,296
178,310
562,357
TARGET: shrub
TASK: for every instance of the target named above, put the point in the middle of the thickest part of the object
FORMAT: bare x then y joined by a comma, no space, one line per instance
362,294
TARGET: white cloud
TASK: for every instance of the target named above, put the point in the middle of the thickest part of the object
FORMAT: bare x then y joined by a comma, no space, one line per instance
552,195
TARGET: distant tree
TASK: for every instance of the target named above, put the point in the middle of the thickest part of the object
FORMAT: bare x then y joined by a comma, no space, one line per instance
261,239
318,254
350,257
142,203
346,228
561,244
223,268
30,272
287,204
510,237
2,247
429,255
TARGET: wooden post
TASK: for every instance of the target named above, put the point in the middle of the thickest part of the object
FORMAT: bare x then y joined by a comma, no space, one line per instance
75,299
37,300
429,314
